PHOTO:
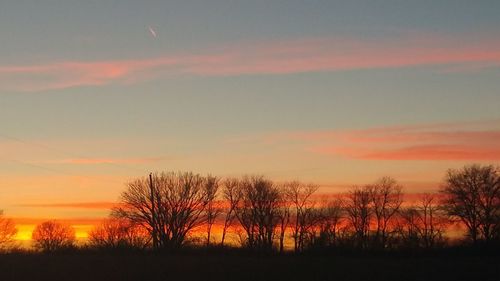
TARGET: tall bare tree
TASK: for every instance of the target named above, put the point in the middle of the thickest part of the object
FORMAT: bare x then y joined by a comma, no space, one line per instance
472,195
424,224
360,213
178,205
409,227
283,217
231,194
386,197
304,217
433,221
212,208
332,216
258,211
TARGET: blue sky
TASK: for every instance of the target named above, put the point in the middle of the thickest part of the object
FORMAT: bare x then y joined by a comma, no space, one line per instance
332,92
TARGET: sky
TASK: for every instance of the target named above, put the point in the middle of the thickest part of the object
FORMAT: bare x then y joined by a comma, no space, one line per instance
96,93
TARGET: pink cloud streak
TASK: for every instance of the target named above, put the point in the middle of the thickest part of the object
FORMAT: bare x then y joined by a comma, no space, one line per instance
73,73
437,152
93,161
459,141
78,205
416,152
285,57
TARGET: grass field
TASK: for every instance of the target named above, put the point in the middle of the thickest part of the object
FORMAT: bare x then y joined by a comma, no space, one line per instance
219,266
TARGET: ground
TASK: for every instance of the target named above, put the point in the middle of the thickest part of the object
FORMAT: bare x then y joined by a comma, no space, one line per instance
222,266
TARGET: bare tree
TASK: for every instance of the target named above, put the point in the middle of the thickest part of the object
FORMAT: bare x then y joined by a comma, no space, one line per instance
311,228
8,230
332,216
169,207
231,195
432,220
423,225
51,236
258,211
212,209
283,217
118,234
360,213
409,227
472,195
299,195
386,197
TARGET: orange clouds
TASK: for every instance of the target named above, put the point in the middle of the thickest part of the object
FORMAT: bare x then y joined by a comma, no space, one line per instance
92,161
77,205
418,152
437,152
80,73
475,141
278,57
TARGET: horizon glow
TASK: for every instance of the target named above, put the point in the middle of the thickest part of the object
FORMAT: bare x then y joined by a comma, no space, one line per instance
96,93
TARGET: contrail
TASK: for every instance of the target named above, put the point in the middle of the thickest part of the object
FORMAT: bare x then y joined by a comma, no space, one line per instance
152,31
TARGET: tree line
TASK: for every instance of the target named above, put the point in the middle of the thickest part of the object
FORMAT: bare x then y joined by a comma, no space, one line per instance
164,210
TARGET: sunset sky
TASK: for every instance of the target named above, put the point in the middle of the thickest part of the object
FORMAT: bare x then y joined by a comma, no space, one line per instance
95,93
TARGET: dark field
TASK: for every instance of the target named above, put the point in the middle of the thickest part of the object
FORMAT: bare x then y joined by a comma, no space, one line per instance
243,267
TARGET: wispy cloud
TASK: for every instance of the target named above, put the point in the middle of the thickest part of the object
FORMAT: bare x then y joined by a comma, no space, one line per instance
416,152
69,74
75,205
469,141
276,57
95,161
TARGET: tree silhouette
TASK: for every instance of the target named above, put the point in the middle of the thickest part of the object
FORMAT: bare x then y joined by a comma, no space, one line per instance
432,220
283,217
231,193
7,230
360,213
51,236
423,225
118,234
258,211
332,216
472,195
178,205
212,209
299,195
386,200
